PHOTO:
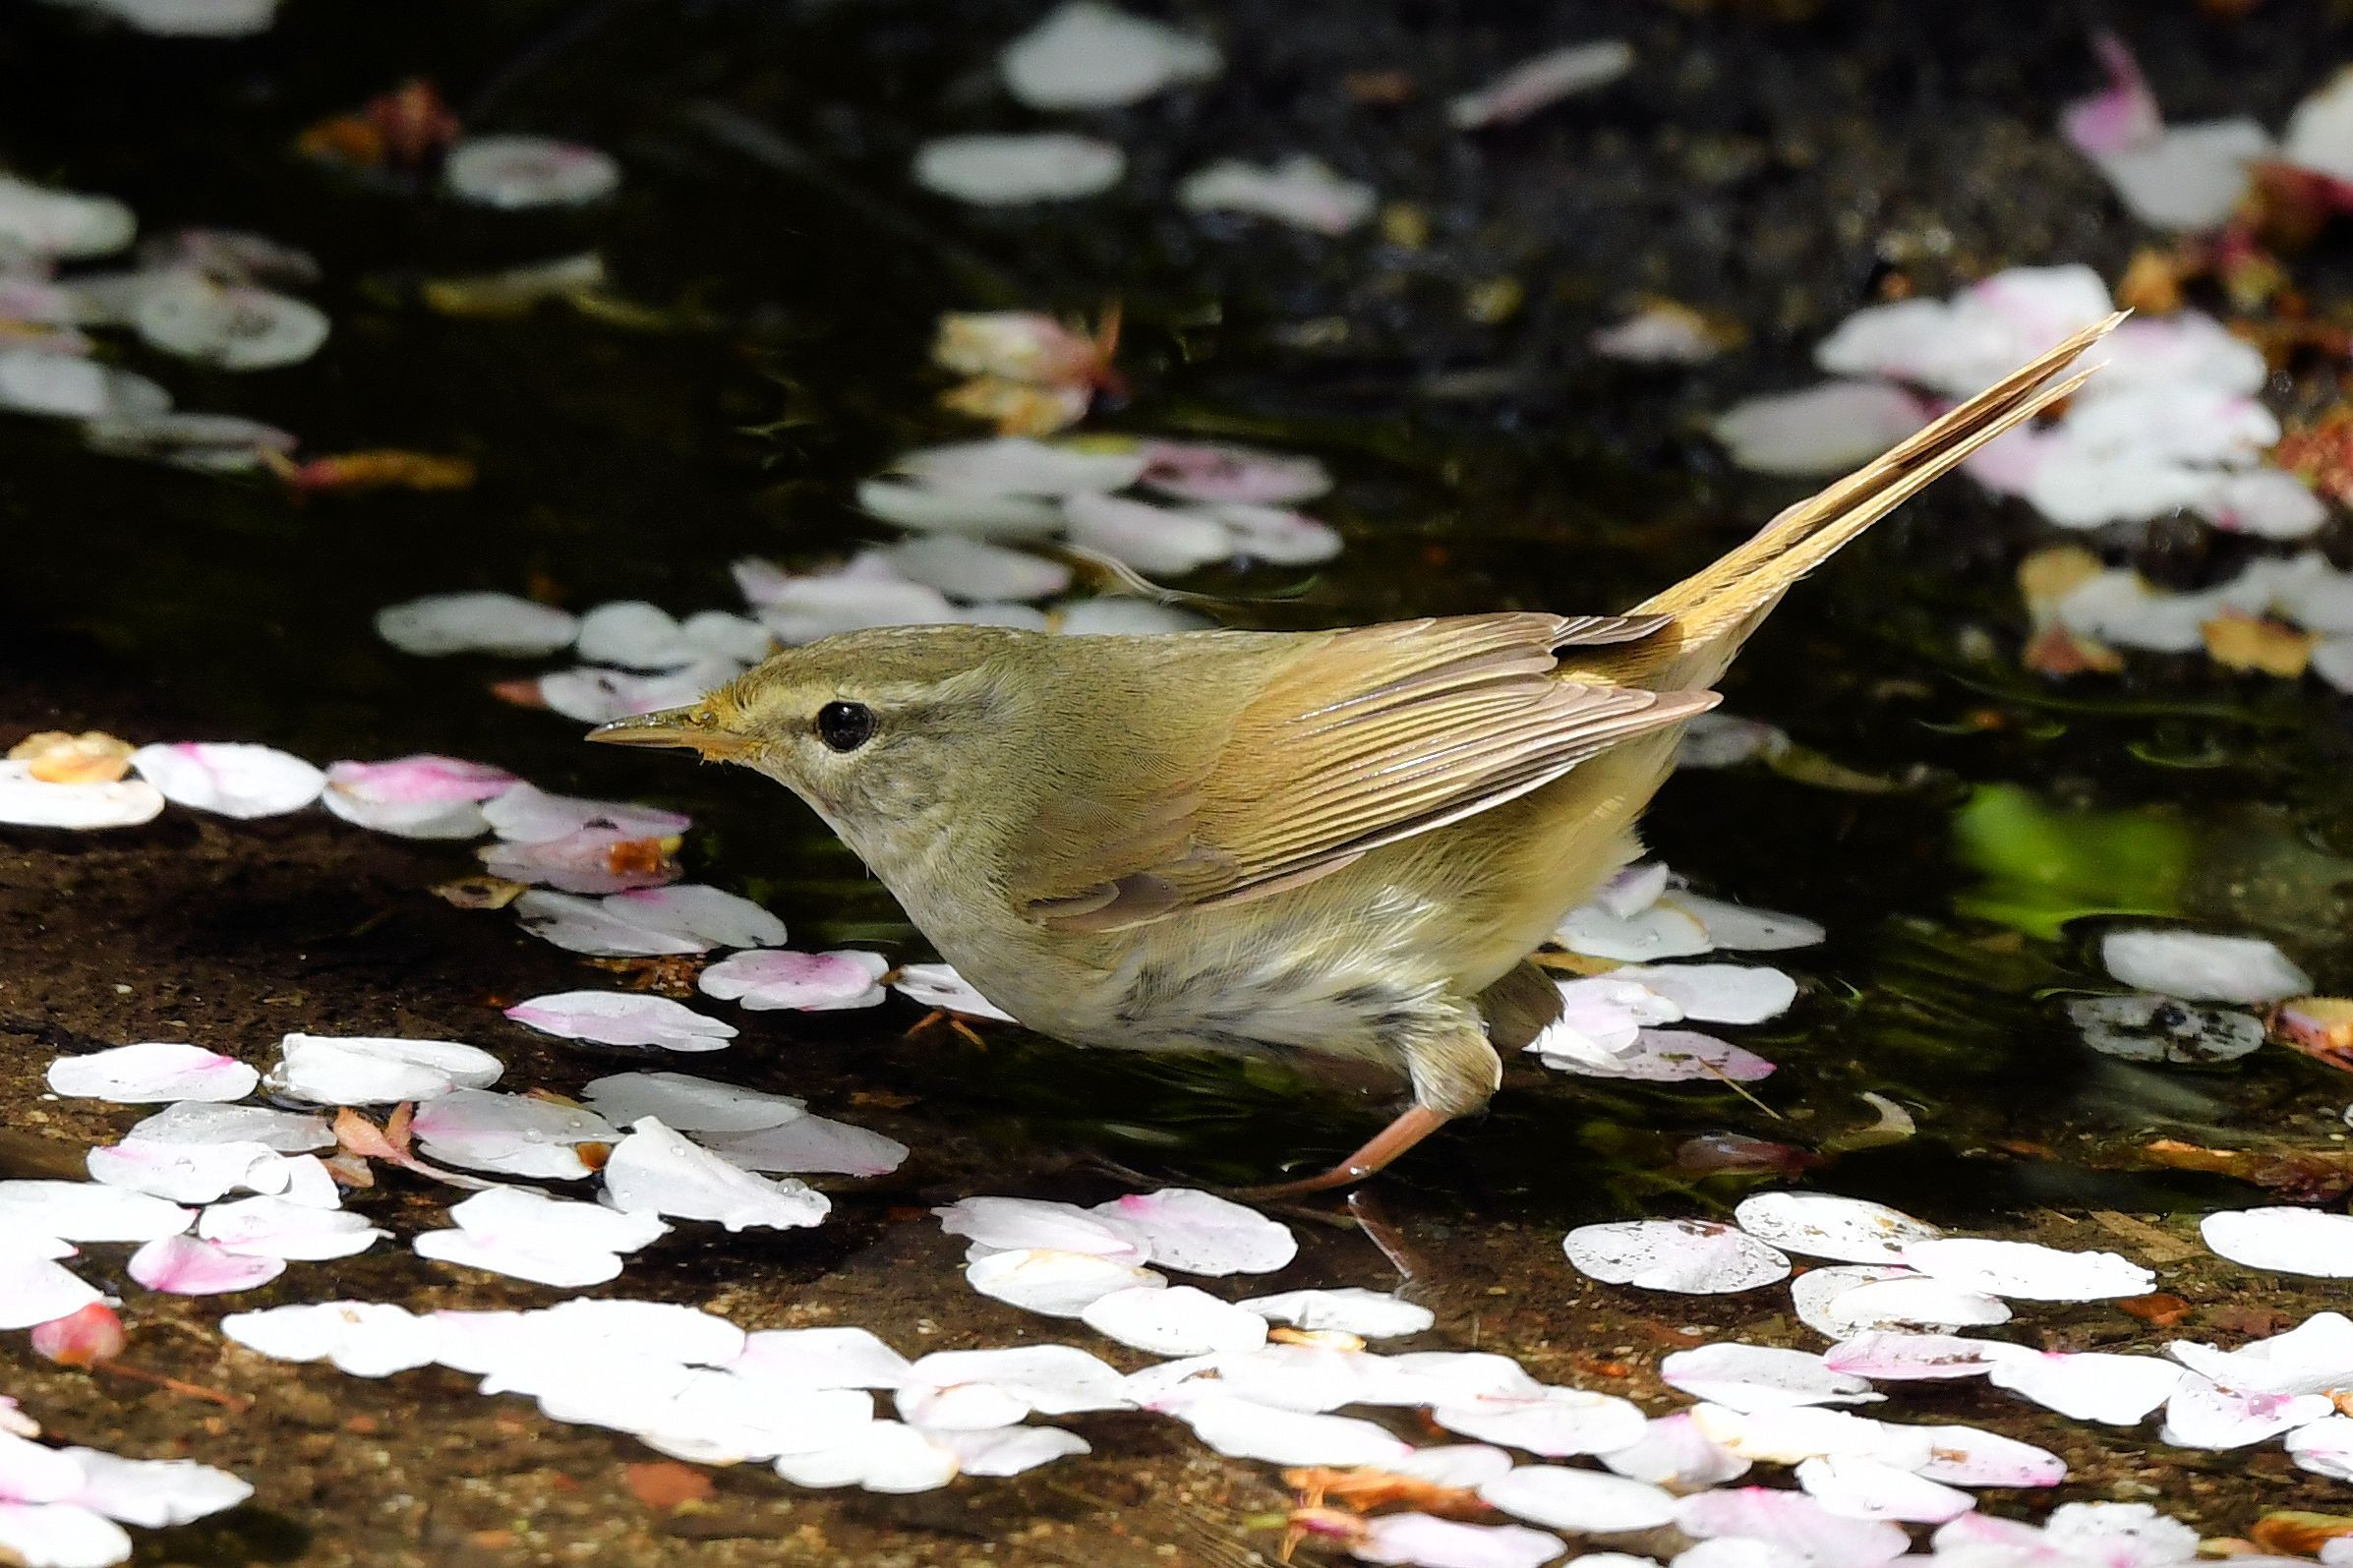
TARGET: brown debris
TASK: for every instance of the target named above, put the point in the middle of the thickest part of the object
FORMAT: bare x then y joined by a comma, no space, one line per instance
2258,646
58,756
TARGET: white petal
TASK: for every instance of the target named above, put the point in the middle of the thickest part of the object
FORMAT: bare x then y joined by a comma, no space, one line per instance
2203,968
1582,1501
35,1291
1692,1257
772,978
2027,1270
2319,134
1745,930
274,1227
1661,931
187,1173
2312,1358
1241,1430
1051,1379
1795,1523
1054,1283
655,1171
812,1143
1852,1230
1089,56
1009,1450
1673,1452
624,1018
1200,1233
1790,1433
1841,1303
1221,472
1177,1320
1716,993
352,1069
820,1357
2202,1415
65,224
1013,465
938,985
1302,191
1274,534
479,622
1120,616
1532,84
690,1104
635,635
2091,1385
976,512
514,1134
1429,1541
882,1456
1008,170
1964,1456
2192,177
155,1493
29,802
1899,1357
715,918
1819,430
2291,1241
1373,1314
61,1535
528,171
200,1122
1151,539
231,328
156,1070
2128,1534
1003,1224
1471,1465
597,927
1865,1489
366,1339
1753,1377
1556,1424
970,569
236,780
85,1211
2325,1447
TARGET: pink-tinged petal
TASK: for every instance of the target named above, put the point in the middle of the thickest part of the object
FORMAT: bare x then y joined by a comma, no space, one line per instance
1151,539
820,1357
2325,1447
2090,1385
595,695
1698,1257
527,814
2119,1535
1820,430
232,779
1200,1233
1429,1541
274,1228
938,985
1026,346
1274,534
1964,1456
710,915
2312,1358
184,1265
2028,1270
1051,1282
655,1171
85,1337
1752,1378
1582,1501
2193,177
596,926
1212,471
511,1135
34,1473
688,1104
1865,1489
1015,169
1899,1357
153,1071
1852,1230
1537,84
812,1143
35,1291
1555,1423
1674,1453
203,1122
2202,1415
528,171
1003,1224
2266,502
1660,333
29,802
2122,117
1302,191
1843,1302
624,1018
61,1535
1658,1055
188,1173
592,860
1794,1522
482,622
811,982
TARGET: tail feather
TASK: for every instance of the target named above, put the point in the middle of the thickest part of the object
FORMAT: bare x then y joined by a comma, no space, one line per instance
1715,609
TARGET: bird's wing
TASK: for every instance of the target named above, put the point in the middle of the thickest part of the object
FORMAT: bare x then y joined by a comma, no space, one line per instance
1367,737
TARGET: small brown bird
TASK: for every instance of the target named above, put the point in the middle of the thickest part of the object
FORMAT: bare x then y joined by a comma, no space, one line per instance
1340,843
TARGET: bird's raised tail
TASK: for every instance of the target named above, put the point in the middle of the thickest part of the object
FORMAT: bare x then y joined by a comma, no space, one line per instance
1715,610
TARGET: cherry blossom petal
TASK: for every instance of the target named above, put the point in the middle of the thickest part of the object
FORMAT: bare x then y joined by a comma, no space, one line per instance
1242,1429
938,985
206,443
1583,1502
773,978
201,1122
1049,1379
688,1104
1899,1357
1819,430
1793,1522
85,1211
274,1227
154,1493
155,1069
183,1265
1471,1465
528,171
1114,615
2312,1358
231,778
2028,1270
1010,170
513,1135
1052,1282
1274,534
1215,472
527,814
595,695
1841,1302
29,802
592,860
820,1357
1661,931
655,1171
1009,1450
1716,993
1699,1258
475,622
230,329
599,927
1200,1233
973,570
1005,1224
1653,1056
1661,333
1375,1315
1151,539
1865,1489
1533,85
65,224
2201,1414
884,1456
2325,1447
2289,1241
624,1018
1785,1434
187,1173
1852,1230
1964,1456
421,796
978,513
2201,966
635,635
1089,56
35,1291
1555,1423
2090,1385
356,1070
1302,191
1753,1377
366,1339
61,1535
709,915
1674,1453
1176,1320
527,1234
1429,1541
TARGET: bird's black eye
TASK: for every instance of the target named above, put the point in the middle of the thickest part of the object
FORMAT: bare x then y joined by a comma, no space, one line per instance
845,725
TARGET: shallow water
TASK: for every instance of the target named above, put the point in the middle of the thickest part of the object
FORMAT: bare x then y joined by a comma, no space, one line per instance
791,280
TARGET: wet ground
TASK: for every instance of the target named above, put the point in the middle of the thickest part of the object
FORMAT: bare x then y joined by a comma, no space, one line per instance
1771,169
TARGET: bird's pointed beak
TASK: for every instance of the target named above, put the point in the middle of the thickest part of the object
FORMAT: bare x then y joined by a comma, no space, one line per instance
695,727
